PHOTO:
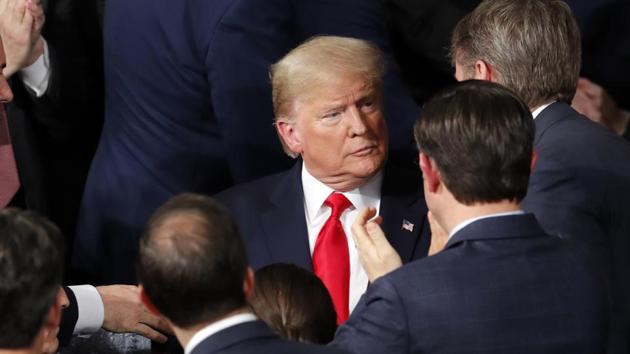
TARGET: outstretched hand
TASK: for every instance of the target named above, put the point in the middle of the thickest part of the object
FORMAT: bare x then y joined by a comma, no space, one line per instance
124,312
377,256
21,22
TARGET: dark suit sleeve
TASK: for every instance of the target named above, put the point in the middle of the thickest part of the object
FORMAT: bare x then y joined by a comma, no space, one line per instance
378,324
69,318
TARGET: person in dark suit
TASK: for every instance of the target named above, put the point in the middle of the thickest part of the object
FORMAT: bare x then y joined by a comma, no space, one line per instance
578,188
31,298
327,96
207,123
57,112
501,284
193,270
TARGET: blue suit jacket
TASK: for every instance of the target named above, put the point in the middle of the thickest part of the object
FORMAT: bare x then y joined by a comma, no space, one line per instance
580,189
255,337
189,107
501,285
270,215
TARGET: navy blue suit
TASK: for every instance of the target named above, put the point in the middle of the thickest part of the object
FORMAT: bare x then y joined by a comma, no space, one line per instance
580,189
188,107
501,285
270,215
255,337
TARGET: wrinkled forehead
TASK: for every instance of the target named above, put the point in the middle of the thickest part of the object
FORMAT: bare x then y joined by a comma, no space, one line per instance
338,89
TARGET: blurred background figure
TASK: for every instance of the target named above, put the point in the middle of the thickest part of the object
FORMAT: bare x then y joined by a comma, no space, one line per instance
294,303
55,68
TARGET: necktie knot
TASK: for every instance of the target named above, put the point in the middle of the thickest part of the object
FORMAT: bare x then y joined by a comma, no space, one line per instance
338,202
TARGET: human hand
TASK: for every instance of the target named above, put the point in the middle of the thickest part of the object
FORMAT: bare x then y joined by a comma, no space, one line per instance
124,312
594,102
439,237
377,256
21,22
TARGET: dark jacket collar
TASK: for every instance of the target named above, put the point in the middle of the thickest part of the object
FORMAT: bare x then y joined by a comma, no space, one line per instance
551,115
500,227
233,335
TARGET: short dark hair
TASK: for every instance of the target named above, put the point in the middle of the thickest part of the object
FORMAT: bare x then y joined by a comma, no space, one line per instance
31,268
192,261
481,136
294,303
534,46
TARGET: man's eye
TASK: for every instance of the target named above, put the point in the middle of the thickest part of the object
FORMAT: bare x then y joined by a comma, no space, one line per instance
332,115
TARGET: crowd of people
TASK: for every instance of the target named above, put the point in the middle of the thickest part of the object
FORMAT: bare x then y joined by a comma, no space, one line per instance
279,176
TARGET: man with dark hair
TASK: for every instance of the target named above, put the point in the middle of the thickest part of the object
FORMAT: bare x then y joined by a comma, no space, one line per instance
501,285
194,272
31,297
579,186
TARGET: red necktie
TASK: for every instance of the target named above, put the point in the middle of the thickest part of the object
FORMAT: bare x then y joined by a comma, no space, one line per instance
331,261
9,183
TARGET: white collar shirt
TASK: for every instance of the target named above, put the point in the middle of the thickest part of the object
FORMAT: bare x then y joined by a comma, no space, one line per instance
316,213
216,327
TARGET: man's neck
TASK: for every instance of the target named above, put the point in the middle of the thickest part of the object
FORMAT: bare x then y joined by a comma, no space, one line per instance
460,212
185,334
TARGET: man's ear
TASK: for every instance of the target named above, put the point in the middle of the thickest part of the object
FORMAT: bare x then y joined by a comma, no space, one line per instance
248,282
533,162
144,298
430,173
484,71
289,135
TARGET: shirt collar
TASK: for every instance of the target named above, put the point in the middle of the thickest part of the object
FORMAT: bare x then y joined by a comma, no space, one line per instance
539,110
465,223
316,192
217,326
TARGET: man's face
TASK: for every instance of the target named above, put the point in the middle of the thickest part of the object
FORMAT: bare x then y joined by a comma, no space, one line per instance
340,132
5,91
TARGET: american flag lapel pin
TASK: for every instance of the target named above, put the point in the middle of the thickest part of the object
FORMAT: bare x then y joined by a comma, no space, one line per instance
407,225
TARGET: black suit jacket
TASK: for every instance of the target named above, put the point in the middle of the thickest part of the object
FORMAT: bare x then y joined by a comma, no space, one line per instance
270,215
255,337
501,285
54,136
579,189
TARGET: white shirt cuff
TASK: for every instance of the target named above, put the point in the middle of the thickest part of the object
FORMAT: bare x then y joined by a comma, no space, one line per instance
37,75
90,307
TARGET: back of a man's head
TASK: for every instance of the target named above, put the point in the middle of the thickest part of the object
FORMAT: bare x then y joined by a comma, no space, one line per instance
532,45
480,136
31,267
192,261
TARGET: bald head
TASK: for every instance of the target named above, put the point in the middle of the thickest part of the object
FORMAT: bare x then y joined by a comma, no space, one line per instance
192,261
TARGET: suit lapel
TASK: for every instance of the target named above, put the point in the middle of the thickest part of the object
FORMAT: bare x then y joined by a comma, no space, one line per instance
404,213
284,223
232,336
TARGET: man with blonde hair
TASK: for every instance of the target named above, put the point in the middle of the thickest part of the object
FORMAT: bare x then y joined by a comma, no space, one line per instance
579,186
327,97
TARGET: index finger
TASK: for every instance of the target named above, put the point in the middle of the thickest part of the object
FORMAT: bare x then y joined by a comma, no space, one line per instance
359,233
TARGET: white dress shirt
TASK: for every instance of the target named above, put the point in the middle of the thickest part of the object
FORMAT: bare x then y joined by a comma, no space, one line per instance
37,75
216,327
315,193
90,307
